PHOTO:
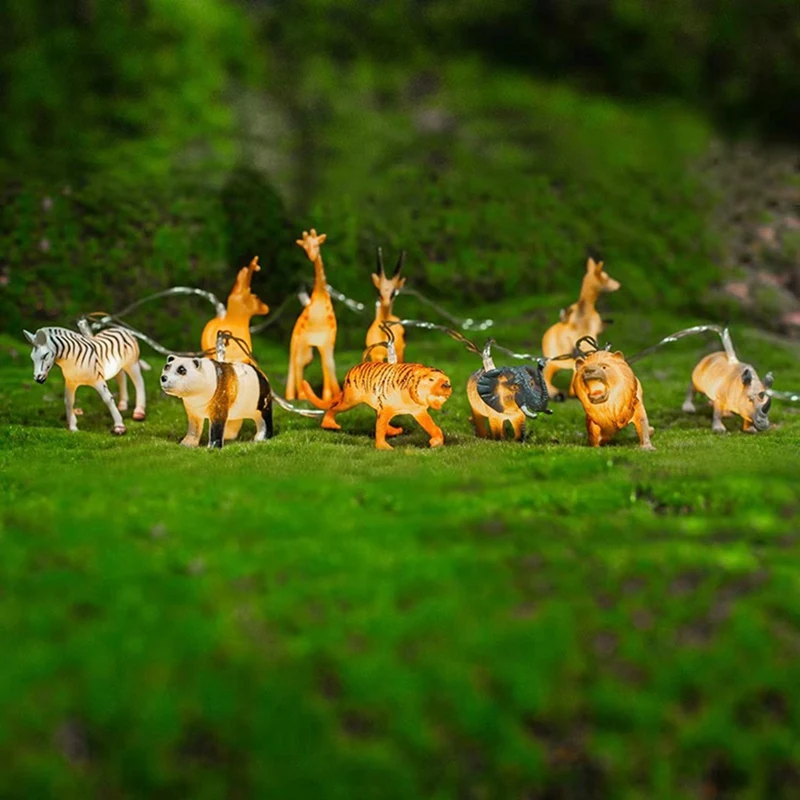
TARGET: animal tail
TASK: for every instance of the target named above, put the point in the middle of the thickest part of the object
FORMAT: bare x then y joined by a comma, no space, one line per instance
287,406
144,365
314,400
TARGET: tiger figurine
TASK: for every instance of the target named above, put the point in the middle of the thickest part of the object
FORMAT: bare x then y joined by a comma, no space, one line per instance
390,389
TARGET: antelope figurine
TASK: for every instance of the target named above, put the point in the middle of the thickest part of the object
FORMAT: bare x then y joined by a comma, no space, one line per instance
242,305
388,288
315,327
578,320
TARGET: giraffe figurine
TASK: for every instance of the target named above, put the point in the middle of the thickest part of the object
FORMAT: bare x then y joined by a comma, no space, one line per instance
388,288
315,327
579,320
242,305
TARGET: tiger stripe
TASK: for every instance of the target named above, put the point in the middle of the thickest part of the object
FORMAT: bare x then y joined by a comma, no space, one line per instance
390,389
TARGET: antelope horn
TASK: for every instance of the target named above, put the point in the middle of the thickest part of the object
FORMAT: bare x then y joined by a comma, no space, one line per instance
768,380
400,262
380,262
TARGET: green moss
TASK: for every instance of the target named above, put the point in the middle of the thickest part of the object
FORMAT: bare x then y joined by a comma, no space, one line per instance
100,246
311,617
497,184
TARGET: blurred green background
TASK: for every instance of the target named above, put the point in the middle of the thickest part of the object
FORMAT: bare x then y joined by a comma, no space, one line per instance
147,143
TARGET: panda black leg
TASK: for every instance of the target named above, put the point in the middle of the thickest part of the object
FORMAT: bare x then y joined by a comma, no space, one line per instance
265,407
266,415
216,432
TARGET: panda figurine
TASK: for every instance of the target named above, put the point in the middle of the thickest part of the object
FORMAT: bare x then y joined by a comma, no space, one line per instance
224,393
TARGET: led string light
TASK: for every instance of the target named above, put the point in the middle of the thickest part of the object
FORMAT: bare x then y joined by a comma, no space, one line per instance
722,332
98,320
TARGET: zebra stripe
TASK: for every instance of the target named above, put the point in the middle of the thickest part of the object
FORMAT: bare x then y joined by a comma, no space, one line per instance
96,353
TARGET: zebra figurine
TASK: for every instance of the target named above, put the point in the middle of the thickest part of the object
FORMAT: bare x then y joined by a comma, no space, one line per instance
91,361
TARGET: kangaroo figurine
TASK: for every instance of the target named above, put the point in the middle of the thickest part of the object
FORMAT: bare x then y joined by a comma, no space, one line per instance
242,305
579,320
388,288
315,327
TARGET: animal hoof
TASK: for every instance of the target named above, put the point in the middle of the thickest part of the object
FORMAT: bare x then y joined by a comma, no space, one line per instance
558,398
688,408
437,442
394,431
647,447
331,426
718,429
138,415
122,405
78,412
189,443
118,430
383,446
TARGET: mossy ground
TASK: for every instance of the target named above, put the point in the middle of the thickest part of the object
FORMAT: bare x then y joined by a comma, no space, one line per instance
312,618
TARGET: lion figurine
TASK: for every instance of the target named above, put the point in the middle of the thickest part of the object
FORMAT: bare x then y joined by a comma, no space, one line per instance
611,396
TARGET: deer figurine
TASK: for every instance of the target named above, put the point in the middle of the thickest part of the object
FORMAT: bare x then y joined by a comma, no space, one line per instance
578,320
315,327
388,288
242,305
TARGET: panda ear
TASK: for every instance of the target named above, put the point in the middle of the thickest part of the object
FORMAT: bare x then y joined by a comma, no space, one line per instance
170,359
196,362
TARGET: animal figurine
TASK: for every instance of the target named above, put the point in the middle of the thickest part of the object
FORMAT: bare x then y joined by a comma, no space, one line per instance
390,389
242,305
218,391
388,288
733,388
315,327
578,320
497,395
91,361
611,396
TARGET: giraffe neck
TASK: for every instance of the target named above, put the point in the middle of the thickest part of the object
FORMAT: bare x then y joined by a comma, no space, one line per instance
320,284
